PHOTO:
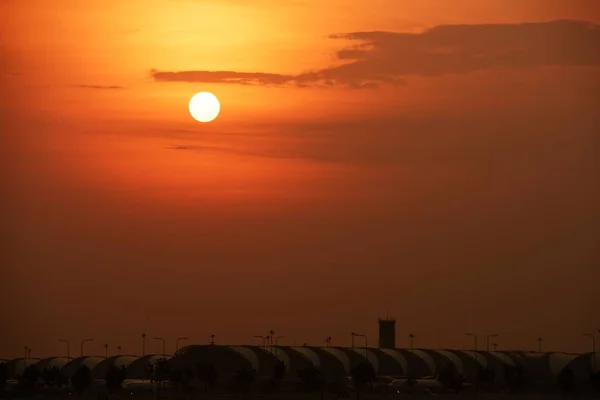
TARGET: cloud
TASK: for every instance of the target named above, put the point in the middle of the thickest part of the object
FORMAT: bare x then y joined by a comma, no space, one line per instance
377,58
179,147
99,87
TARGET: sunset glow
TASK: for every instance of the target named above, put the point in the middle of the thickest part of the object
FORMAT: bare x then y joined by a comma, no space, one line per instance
434,158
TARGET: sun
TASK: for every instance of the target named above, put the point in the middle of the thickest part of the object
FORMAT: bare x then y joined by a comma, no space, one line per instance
204,107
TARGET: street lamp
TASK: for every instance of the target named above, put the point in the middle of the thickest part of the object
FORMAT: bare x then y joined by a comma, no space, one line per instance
474,336
328,341
276,348
264,339
591,335
163,344
68,348
212,339
177,342
84,341
410,341
271,338
105,350
143,344
487,340
366,341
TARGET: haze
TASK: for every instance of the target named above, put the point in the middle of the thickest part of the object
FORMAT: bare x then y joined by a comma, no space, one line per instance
431,160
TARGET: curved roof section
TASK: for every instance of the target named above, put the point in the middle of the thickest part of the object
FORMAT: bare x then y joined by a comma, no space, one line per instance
226,359
503,357
100,370
16,366
582,367
137,369
477,357
558,361
427,358
398,357
310,354
182,350
248,354
89,361
52,362
282,356
341,356
453,358
370,355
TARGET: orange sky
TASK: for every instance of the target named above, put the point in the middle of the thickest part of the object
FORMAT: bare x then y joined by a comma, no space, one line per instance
434,159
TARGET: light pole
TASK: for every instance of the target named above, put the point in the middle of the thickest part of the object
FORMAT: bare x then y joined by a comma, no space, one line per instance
352,334
366,341
328,341
264,339
474,336
105,350
177,342
277,348
163,344
84,341
591,335
143,344
410,341
271,339
212,339
68,348
540,340
487,340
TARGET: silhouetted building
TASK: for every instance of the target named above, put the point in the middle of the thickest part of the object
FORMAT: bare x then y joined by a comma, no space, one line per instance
387,333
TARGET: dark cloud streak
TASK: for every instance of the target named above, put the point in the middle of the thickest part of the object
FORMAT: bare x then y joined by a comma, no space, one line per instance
99,87
389,57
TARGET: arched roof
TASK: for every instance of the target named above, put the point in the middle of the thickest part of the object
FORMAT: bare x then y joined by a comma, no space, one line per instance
248,354
503,357
48,363
100,370
477,356
341,356
282,356
227,360
453,358
361,353
398,357
16,366
558,361
310,354
427,358
583,367
137,368
69,368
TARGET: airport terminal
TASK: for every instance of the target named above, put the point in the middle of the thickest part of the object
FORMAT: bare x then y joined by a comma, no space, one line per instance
543,371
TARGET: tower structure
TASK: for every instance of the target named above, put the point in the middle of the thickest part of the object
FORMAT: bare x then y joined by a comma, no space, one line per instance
387,333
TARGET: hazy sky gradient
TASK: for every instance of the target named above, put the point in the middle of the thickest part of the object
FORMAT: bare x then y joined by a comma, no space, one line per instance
434,160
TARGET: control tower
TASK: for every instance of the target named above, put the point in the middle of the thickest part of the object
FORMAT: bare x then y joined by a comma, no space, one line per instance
387,333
